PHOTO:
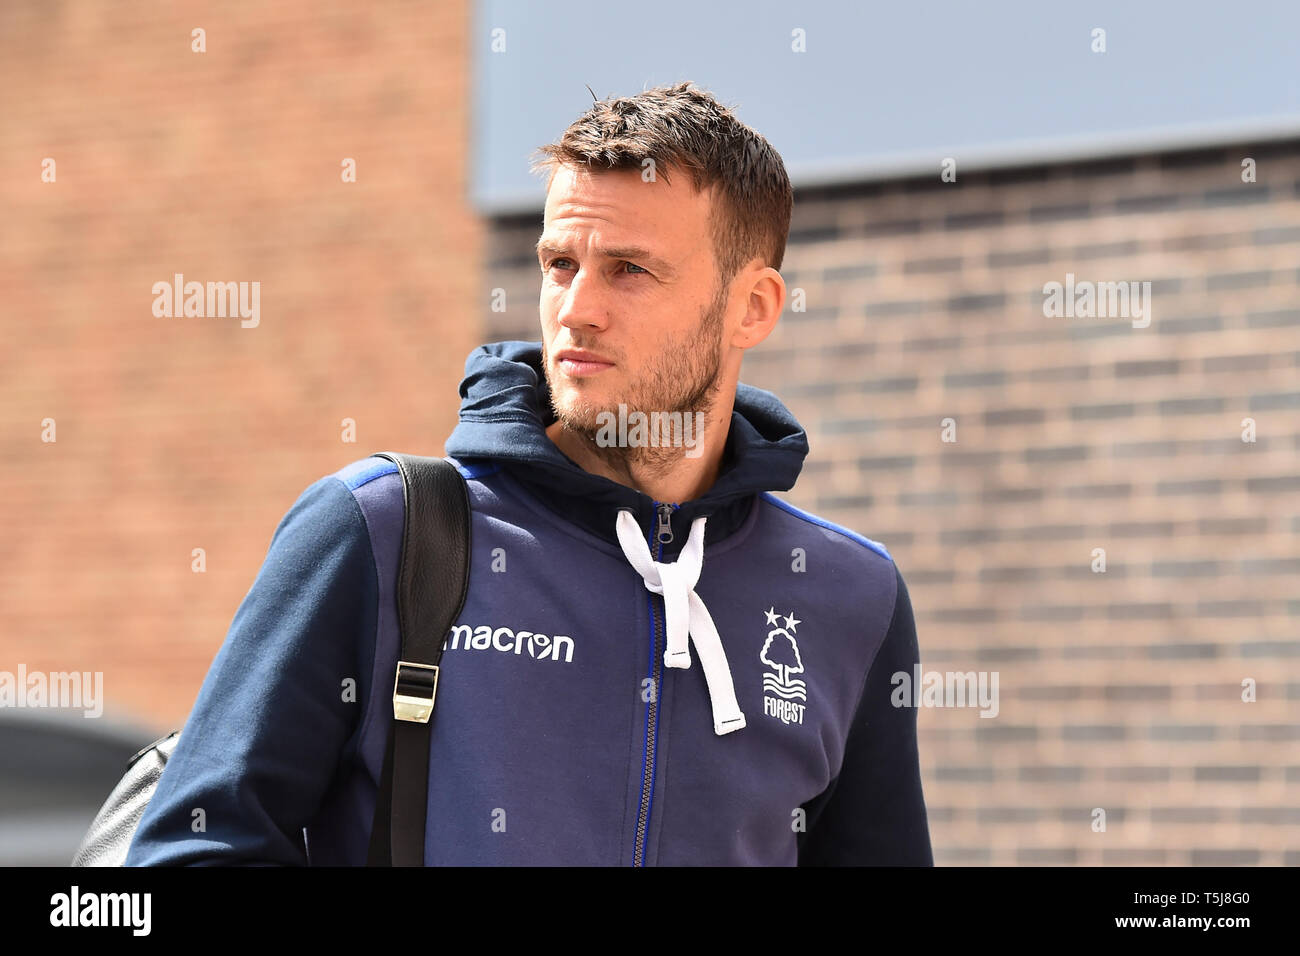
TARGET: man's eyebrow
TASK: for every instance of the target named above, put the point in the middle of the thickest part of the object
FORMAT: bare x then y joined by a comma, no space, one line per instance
545,247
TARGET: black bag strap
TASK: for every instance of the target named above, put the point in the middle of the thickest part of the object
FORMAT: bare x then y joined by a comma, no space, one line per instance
432,581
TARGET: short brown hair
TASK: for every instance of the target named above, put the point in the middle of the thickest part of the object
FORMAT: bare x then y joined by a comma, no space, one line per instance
684,127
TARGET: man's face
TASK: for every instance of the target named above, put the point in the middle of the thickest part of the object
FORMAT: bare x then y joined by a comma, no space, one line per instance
629,277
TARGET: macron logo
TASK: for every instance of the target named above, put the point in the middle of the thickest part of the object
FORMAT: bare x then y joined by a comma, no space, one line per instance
485,637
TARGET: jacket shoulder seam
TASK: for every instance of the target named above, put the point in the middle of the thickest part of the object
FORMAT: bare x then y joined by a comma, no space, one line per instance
820,522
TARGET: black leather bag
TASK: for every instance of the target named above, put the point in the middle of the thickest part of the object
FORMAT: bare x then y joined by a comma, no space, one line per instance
109,837
432,581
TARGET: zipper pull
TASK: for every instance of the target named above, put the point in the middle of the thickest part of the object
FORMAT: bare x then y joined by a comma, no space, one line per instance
665,534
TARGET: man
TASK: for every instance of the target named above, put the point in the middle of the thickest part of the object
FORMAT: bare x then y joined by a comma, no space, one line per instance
658,662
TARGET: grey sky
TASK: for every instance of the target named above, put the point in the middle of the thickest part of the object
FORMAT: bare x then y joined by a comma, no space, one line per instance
889,88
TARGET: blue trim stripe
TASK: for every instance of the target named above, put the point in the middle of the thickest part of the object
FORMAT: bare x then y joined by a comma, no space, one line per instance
645,740
363,473
479,470
875,546
381,467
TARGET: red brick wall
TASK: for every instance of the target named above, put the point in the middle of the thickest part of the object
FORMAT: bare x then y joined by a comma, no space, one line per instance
1119,690
182,433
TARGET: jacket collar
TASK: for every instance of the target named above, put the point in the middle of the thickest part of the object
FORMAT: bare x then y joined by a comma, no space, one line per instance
505,409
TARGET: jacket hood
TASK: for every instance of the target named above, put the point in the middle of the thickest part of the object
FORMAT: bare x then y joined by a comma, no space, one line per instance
506,407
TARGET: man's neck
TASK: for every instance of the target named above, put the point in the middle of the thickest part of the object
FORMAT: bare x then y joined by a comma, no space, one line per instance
663,474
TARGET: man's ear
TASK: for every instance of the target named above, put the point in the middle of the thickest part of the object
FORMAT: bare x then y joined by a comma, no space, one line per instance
765,300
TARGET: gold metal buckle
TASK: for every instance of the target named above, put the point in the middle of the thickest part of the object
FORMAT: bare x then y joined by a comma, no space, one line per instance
408,706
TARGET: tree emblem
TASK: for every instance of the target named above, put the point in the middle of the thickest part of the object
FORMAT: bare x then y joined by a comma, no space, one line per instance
781,652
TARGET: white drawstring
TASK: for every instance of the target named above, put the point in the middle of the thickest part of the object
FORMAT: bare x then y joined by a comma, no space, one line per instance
685,612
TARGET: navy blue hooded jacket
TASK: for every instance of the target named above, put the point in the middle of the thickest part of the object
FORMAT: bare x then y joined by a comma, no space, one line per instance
559,736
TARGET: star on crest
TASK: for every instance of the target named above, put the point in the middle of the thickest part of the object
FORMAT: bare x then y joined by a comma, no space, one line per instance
791,621
771,615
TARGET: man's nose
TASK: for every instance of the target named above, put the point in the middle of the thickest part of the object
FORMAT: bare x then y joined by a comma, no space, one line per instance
585,303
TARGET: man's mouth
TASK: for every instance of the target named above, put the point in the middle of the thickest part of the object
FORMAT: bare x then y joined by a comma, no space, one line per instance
581,363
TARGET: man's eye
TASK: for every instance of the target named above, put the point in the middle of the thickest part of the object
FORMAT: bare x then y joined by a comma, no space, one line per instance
561,259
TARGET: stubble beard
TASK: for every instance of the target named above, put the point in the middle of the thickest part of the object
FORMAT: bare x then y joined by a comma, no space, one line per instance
682,377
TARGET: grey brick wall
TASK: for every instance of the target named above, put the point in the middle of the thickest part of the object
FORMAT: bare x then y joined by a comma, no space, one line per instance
1119,690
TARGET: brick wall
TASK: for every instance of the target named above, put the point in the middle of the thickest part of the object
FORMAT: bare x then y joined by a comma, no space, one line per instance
182,433
1118,690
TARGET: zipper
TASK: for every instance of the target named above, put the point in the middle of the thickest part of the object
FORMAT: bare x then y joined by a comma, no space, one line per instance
665,531
661,534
